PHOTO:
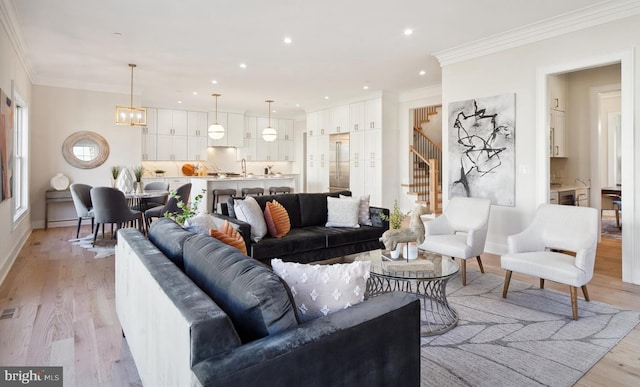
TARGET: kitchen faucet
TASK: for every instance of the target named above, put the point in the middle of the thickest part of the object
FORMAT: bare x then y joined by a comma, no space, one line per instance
243,163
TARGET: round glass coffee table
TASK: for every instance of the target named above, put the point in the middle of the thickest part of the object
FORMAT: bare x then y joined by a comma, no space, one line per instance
425,276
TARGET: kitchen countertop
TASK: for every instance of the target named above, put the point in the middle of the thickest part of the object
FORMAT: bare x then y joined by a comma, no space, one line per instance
567,187
248,178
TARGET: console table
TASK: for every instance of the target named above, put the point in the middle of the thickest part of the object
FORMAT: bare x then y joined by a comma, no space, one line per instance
54,196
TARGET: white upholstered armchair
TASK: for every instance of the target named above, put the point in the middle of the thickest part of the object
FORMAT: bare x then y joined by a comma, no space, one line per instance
461,231
544,249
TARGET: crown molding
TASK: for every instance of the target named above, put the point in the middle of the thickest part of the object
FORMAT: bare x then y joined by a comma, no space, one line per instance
9,21
591,16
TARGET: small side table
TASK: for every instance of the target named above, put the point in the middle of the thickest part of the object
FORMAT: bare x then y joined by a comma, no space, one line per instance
54,196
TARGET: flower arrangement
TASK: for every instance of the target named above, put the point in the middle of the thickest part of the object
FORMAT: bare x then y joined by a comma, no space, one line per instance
189,210
395,217
115,171
137,172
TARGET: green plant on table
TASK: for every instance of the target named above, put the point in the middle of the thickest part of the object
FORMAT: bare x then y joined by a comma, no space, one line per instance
395,217
115,171
137,172
189,210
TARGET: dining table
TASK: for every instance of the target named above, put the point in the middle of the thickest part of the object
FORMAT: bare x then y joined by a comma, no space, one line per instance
138,199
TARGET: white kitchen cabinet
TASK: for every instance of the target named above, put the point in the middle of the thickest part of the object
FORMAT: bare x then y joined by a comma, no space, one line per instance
172,147
558,92
356,117
172,122
197,124
582,197
357,163
266,150
373,164
197,148
338,119
373,113
285,130
149,136
248,149
285,140
557,134
318,164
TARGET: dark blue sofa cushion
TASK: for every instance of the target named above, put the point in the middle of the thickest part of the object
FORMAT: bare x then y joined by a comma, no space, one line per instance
254,297
169,237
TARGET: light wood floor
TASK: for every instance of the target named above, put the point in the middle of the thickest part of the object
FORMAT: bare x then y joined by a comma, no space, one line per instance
65,313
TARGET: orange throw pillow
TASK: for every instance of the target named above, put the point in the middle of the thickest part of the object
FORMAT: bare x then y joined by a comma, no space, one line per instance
277,219
230,236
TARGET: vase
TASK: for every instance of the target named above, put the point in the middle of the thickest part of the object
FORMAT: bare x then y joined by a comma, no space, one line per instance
410,250
138,187
395,253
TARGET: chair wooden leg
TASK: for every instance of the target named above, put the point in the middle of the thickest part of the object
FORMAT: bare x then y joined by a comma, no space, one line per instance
464,271
480,264
541,283
507,279
585,292
574,301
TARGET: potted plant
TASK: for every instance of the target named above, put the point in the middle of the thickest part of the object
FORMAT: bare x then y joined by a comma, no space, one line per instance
159,172
115,171
137,173
189,210
395,221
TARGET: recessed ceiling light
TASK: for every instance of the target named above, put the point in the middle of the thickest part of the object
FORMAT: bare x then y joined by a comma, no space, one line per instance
287,40
195,93
408,31
179,101
326,97
422,72
365,87
214,82
274,111
243,65
297,105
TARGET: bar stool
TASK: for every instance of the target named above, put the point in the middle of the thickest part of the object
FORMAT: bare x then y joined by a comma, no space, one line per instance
221,192
252,191
276,190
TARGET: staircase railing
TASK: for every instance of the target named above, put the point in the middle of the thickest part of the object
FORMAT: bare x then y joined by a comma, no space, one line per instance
427,168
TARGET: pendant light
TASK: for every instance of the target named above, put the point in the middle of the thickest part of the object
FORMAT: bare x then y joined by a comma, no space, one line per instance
216,131
269,134
129,115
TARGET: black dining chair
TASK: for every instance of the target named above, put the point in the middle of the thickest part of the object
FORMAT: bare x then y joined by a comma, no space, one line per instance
182,194
110,207
81,195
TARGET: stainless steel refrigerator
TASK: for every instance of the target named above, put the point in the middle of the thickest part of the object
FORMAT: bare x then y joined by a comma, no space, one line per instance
338,162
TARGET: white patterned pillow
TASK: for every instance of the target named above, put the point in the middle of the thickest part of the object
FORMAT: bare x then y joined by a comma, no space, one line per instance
248,210
364,218
319,290
342,212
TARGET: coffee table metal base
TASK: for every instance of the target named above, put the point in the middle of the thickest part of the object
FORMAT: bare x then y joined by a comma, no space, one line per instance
438,316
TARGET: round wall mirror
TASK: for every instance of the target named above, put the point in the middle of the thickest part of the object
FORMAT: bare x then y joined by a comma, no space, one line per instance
85,150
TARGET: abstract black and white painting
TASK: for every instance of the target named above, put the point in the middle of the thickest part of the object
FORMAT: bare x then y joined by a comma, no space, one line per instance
482,148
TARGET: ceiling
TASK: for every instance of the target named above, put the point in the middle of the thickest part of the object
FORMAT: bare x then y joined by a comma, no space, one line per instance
180,46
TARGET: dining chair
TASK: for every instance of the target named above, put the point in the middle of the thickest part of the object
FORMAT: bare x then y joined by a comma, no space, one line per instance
559,245
110,207
171,206
460,232
81,195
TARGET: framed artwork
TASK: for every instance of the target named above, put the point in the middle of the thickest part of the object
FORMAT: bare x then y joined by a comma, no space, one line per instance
6,146
482,148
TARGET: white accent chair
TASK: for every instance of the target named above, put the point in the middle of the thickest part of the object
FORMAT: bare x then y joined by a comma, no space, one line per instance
460,232
541,250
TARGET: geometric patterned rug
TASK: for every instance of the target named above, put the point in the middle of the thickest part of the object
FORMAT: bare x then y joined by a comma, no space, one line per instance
609,228
104,247
527,339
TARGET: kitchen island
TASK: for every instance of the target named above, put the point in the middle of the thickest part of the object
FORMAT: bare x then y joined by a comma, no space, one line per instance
209,183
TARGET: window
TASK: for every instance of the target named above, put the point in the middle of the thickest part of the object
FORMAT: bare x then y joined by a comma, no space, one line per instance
20,161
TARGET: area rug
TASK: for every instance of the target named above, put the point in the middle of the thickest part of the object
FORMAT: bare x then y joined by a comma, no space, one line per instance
527,339
609,227
104,247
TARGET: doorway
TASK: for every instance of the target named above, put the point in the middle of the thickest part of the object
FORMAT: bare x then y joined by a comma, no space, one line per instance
625,59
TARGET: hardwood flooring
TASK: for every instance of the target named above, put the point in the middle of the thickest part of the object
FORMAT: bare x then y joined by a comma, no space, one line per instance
64,313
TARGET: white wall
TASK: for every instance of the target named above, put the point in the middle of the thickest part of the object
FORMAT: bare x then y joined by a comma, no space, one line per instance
56,113
517,70
12,236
